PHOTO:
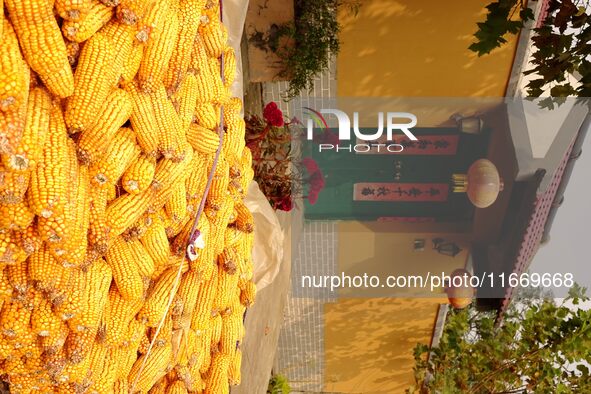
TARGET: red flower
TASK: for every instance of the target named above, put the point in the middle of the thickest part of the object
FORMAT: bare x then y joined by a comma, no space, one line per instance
286,204
310,165
312,197
317,182
273,115
327,137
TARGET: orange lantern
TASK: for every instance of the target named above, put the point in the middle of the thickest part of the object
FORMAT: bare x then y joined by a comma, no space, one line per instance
482,183
459,296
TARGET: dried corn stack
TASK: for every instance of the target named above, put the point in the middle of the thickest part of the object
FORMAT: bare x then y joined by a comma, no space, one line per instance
109,115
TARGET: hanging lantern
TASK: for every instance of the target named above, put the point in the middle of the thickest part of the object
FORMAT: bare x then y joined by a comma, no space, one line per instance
482,183
459,296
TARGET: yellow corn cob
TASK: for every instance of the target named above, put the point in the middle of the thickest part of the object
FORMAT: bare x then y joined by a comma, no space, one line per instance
228,260
17,277
205,263
126,209
177,387
15,216
54,344
28,152
94,141
94,77
187,97
234,375
176,207
168,173
139,228
217,379
79,344
104,366
13,88
10,251
78,374
121,386
144,344
221,94
48,275
48,187
43,321
72,10
165,335
179,245
213,32
170,125
2,12
248,294
58,230
47,56
73,51
125,273
139,175
219,185
82,29
205,300
207,115
197,180
143,121
130,12
157,301
164,20
98,232
203,140
122,152
123,37
14,319
13,186
93,297
5,287
118,316
227,289
154,368
232,110
175,226
244,220
160,386
145,264
77,214
28,239
232,332
201,67
189,14
229,66
132,63
137,331
156,243
232,237
188,294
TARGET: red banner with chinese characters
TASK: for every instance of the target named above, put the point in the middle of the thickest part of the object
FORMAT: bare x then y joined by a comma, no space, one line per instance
412,192
426,145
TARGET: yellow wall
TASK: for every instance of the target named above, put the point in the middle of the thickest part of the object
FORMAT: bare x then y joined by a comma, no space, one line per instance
410,48
368,343
363,250
418,48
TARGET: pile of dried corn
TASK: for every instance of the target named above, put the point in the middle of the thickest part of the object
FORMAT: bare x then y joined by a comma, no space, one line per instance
109,113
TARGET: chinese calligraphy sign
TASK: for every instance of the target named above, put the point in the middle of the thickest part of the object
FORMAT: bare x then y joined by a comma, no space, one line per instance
417,192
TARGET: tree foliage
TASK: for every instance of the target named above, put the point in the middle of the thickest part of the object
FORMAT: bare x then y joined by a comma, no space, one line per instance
541,347
562,45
